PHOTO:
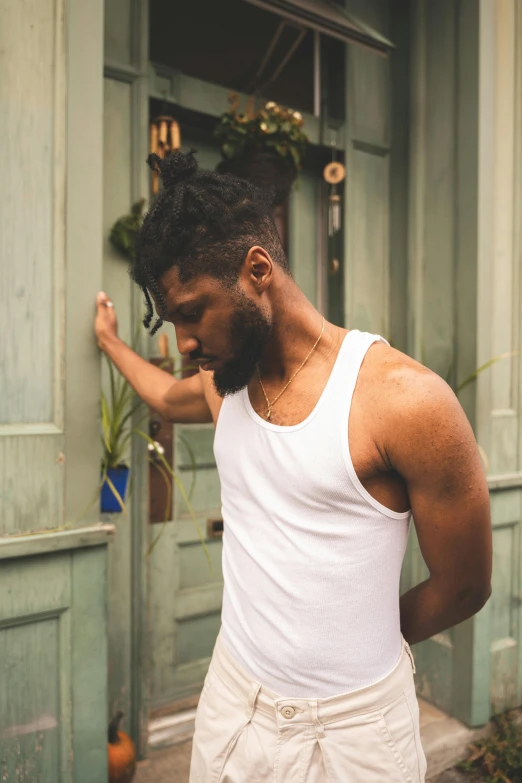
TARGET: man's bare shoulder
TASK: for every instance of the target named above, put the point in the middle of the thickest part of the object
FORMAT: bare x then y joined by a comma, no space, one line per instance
392,375
403,393
413,409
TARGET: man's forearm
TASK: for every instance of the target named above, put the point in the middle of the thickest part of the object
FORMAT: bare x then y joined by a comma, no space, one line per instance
428,609
149,382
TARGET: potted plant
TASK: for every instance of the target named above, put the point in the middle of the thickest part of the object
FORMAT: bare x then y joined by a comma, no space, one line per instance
266,146
118,422
117,410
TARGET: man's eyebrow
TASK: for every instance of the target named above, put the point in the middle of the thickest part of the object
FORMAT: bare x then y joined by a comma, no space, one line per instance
193,302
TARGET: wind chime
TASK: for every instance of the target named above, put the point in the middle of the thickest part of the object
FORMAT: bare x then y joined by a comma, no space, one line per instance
334,173
165,137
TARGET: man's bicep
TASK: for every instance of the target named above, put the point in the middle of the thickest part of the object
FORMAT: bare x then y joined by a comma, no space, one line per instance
437,456
186,403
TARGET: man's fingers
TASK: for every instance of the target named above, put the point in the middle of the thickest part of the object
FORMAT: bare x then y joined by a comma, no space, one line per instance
102,300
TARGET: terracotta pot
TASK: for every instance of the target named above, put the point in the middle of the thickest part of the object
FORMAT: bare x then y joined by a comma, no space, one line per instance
265,170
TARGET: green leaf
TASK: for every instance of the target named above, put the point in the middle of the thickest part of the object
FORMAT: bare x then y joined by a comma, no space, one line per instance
193,463
134,409
106,423
474,375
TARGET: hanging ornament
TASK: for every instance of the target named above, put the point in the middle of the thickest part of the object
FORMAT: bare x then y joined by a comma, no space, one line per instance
334,173
334,266
165,137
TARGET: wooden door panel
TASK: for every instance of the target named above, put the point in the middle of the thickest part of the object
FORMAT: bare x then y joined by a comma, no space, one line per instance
32,247
33,730
49,661
194,573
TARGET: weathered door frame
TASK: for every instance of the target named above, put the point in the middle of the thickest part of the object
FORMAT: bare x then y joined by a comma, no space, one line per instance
132,70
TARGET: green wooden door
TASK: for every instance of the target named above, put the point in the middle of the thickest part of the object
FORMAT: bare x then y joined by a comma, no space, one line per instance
53,585
463,309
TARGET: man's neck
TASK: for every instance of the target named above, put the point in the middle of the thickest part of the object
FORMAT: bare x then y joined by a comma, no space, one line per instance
296,327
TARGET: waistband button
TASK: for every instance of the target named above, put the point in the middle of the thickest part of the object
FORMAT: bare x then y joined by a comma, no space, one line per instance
288,712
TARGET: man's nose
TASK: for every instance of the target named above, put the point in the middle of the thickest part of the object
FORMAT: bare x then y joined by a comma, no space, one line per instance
186,342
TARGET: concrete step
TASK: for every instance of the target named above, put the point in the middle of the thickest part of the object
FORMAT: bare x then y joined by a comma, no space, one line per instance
172,729
444,739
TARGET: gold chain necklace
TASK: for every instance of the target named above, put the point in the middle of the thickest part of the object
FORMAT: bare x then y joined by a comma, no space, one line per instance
269,405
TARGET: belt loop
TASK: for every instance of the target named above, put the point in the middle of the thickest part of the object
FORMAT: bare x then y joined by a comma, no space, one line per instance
252,698
319,728
410,656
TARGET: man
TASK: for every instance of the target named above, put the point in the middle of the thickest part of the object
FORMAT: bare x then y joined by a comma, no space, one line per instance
327,442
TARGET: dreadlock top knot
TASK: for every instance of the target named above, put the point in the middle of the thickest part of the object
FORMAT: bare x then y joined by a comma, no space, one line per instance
201,223
175,169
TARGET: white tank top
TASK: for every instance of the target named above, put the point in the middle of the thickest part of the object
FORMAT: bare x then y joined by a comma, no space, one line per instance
311,561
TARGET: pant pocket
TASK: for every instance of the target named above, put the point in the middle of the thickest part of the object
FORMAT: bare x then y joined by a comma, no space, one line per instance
413,704
400,733
221,716
360,749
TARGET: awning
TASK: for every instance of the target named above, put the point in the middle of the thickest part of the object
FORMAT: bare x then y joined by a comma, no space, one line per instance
329,19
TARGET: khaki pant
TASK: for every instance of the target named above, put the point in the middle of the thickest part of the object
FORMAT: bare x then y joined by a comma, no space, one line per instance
245,733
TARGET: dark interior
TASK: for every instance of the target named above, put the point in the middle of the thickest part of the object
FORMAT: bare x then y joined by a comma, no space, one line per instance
225,41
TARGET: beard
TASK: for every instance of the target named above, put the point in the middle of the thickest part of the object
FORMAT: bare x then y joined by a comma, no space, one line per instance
249,332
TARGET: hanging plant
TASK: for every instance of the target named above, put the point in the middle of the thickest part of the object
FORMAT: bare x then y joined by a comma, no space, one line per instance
123,233
266,146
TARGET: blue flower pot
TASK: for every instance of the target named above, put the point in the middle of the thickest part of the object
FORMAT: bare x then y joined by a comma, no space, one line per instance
109,503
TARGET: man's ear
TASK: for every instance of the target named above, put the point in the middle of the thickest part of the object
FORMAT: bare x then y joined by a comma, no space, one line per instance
258,268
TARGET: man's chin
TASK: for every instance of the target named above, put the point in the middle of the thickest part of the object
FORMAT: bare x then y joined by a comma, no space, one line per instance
228,381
